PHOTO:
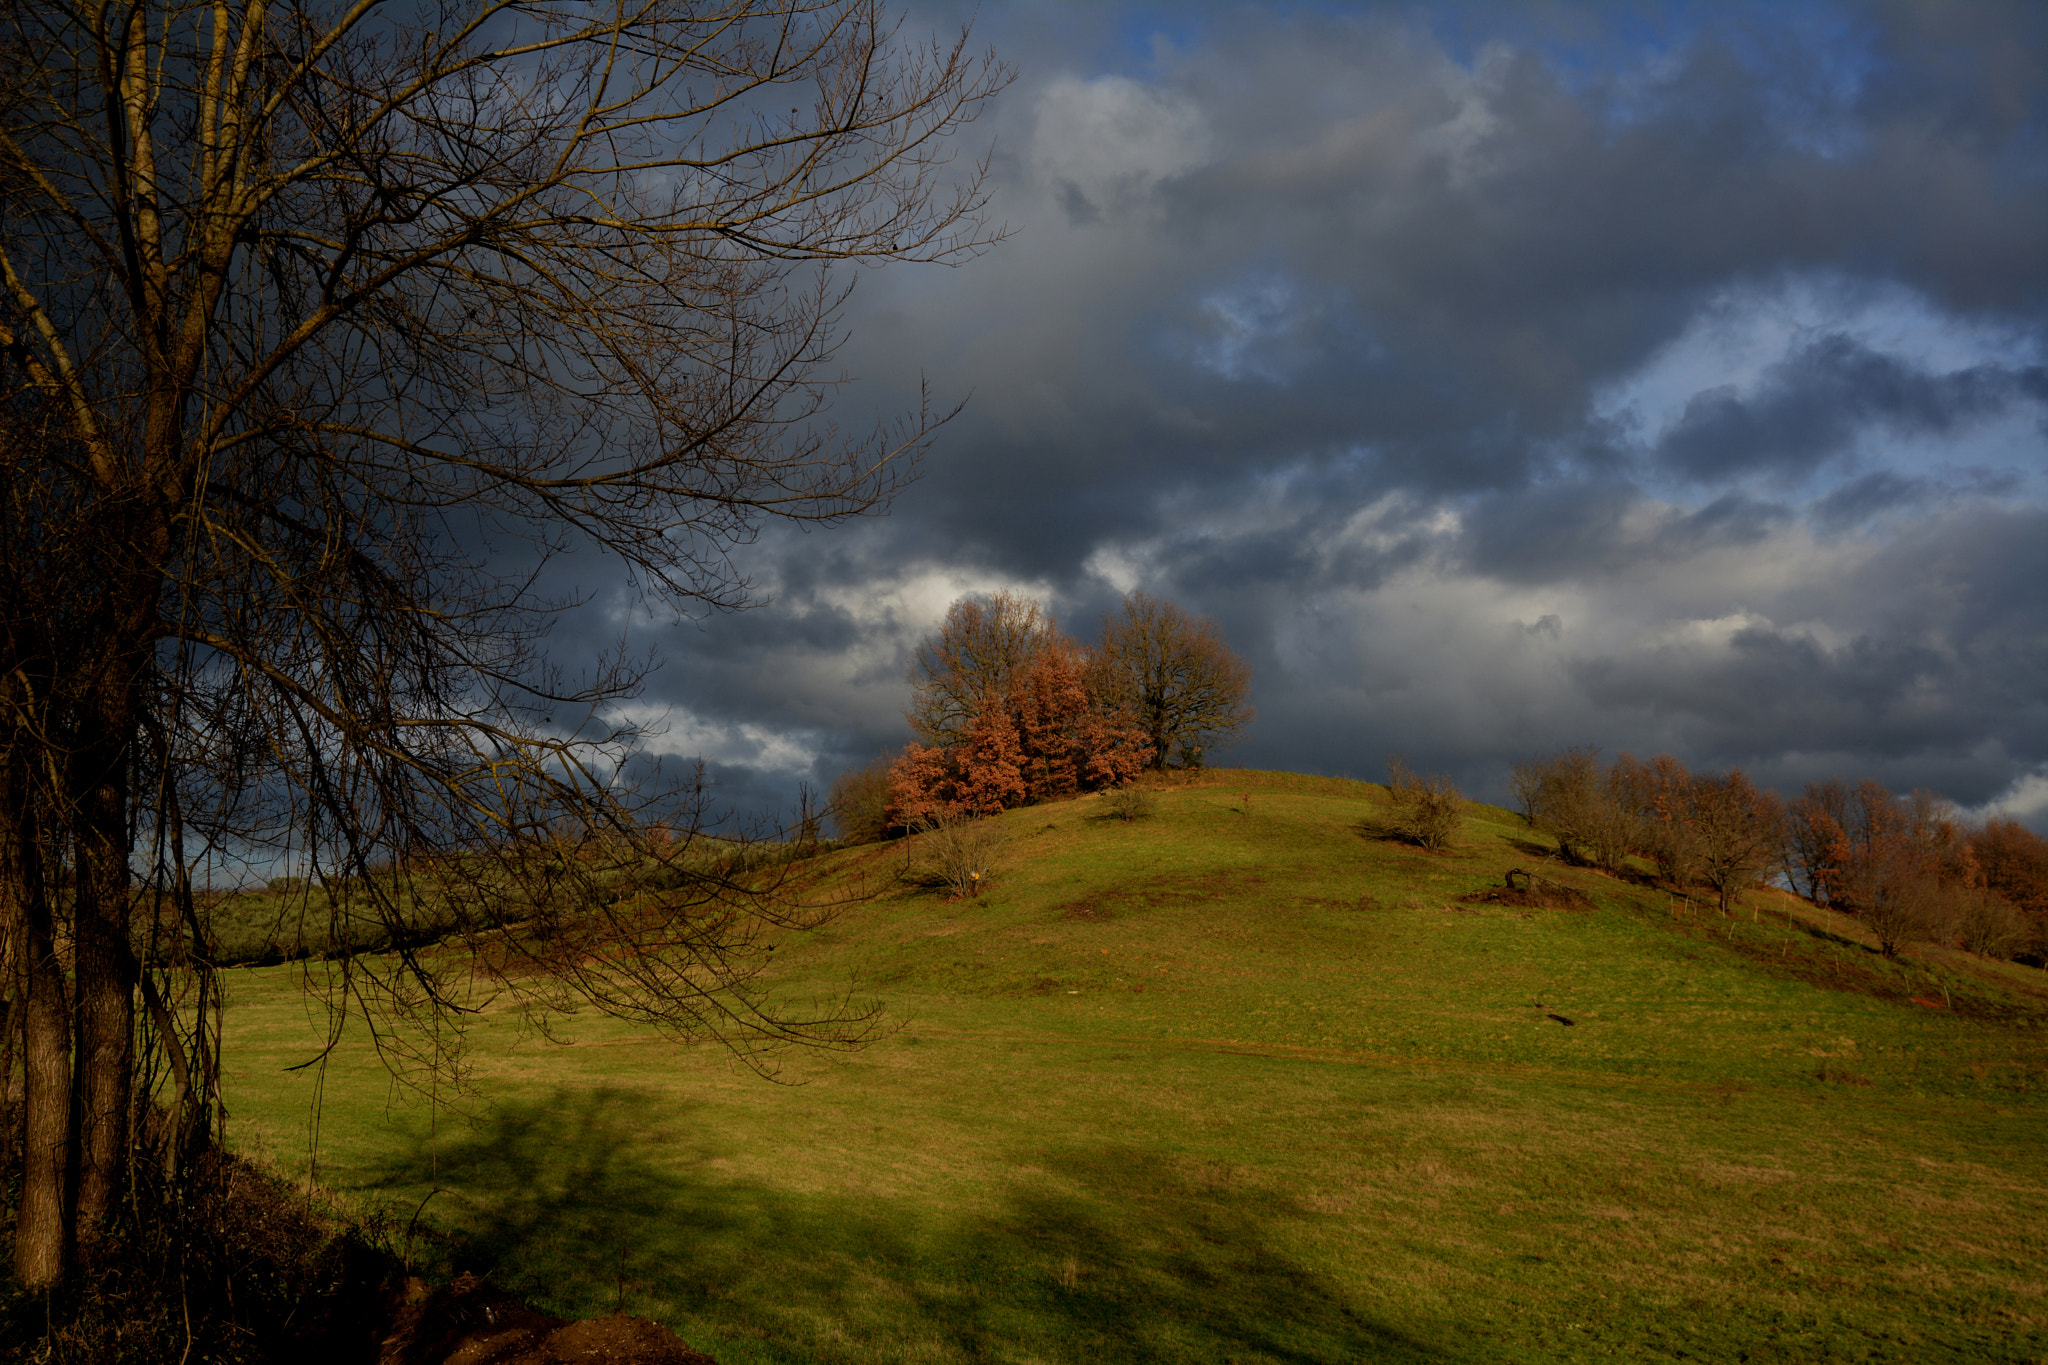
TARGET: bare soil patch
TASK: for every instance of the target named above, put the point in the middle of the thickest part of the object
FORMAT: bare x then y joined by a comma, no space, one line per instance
1534,893
469,1323
1161,892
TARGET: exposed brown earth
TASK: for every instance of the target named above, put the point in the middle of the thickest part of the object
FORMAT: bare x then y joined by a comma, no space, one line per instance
470,1323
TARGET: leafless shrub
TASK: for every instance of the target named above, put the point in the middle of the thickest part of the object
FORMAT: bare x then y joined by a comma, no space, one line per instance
1425,811
1129,802
958,852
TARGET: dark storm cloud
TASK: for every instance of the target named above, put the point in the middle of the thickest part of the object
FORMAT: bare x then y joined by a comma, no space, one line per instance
1566,532
1313,319
1814,404
1453,260
1951,659
1860,499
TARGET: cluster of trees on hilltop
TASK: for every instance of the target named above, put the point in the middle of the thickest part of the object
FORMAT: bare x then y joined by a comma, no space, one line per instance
1911,868
1009,710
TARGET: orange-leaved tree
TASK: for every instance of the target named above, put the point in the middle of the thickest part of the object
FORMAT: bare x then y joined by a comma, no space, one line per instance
1659,796
2013,861
1042,726
1877,869
978,775
1815,823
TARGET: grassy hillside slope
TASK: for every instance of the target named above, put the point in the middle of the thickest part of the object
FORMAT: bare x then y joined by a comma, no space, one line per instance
1238,1082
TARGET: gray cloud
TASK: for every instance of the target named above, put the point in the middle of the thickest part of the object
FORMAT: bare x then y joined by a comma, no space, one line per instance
1860,499
1814,404
1314,320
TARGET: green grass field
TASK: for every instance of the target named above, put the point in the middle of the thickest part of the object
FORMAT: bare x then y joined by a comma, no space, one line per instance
1238,1082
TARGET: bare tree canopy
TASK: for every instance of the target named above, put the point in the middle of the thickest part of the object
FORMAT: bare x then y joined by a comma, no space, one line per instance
323,327
1189,689
973,659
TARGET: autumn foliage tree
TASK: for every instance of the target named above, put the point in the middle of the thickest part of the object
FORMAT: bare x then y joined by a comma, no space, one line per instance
979,774
2013,861
1662,793
1909,868
1912,868
1043,727
1713,829
1814,822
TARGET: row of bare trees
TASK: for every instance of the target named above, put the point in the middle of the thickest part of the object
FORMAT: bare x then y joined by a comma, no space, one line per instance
1008,710
1910,868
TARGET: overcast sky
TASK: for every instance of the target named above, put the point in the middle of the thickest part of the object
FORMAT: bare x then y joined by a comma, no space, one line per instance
1665,377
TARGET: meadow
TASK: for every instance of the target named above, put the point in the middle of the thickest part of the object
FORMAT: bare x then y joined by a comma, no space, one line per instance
1242,1081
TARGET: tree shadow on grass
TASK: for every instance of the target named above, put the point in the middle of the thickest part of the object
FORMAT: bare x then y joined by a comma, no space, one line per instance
598,1199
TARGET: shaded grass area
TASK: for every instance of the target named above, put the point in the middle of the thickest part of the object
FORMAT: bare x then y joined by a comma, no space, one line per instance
1233,1083
1102,1253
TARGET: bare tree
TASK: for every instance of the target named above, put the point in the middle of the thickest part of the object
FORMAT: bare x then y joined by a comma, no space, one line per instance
1740,832
1525,779
1186,687
1587,809
330,324
973,661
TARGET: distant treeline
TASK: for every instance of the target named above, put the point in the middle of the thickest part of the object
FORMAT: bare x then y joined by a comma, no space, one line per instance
1911,868
405,905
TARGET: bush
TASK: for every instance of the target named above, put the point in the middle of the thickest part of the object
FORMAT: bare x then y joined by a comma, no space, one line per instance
955,851
1425,810
1128,802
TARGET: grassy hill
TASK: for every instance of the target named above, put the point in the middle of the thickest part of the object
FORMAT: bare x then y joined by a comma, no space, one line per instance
1241,1082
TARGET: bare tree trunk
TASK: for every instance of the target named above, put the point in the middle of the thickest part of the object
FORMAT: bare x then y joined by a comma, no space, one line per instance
105,1028
106,973
39,1233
